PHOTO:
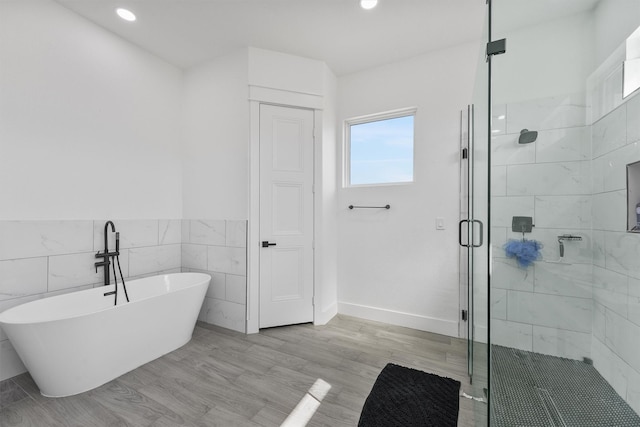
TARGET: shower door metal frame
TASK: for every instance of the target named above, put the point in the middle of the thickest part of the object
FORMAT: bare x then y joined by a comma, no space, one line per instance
467,236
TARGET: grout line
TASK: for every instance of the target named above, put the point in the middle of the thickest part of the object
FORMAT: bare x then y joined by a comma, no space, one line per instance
48,267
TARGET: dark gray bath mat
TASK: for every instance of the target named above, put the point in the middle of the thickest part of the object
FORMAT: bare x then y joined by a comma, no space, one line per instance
411,398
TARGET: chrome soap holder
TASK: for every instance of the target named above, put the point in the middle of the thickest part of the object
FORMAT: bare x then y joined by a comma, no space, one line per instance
566,237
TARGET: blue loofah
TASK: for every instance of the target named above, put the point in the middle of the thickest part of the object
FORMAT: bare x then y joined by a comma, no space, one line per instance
524,251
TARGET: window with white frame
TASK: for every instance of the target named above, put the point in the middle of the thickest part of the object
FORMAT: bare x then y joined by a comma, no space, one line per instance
379,149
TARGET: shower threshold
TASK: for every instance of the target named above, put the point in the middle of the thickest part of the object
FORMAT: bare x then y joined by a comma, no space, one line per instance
532,389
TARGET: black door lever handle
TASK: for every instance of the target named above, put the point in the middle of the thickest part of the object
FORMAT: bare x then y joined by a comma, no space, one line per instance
266,244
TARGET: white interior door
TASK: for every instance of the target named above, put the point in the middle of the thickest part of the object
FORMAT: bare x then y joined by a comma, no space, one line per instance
286,216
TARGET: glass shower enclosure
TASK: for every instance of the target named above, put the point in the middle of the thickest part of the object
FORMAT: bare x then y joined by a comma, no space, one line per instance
473,236
554,294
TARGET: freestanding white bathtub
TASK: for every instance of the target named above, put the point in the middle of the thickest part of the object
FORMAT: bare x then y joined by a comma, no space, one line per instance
75,342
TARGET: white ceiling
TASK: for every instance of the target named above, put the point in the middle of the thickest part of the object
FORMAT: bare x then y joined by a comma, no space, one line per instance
348,38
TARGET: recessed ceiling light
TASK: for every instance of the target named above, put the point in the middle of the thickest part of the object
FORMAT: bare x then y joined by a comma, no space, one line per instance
368,4
126,14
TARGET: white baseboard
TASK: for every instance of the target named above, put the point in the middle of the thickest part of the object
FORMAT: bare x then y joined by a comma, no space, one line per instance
323,317
414,321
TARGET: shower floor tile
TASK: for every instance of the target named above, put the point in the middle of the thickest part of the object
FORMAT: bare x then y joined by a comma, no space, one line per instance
531,389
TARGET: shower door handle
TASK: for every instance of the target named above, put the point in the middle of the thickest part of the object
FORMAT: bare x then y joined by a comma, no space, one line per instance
464,245
481,234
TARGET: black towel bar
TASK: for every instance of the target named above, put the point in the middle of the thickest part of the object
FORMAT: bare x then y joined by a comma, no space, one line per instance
370,207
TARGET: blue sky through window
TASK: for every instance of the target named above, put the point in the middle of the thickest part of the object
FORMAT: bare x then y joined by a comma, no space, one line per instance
382,151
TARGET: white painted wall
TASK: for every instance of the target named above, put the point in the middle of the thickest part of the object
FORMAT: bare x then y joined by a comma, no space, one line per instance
393,265
614,21
555,57
282,71
326,192
88,122
215,125
215,139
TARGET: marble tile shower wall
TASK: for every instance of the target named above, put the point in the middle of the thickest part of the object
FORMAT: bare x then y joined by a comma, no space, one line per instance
616,254
219,249
547,307
571,180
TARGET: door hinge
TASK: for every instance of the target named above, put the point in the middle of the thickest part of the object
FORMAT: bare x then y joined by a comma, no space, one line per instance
496,47
464,315
465,153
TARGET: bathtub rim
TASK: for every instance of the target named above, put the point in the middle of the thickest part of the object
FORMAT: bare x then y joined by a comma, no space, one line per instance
203,278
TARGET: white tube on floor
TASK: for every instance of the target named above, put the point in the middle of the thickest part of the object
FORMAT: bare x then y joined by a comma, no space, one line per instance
308,405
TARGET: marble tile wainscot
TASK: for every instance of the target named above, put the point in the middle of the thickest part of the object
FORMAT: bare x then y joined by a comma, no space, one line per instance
39,259
219,248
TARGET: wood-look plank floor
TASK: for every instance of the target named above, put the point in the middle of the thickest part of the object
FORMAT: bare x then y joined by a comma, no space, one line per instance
224,378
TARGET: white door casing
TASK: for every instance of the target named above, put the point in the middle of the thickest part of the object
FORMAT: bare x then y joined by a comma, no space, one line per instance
286,215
